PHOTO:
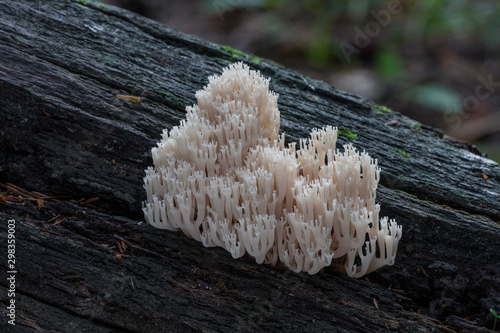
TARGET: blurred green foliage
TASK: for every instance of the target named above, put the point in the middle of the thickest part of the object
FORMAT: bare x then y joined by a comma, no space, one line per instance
416,25
436,96
418,21
427,54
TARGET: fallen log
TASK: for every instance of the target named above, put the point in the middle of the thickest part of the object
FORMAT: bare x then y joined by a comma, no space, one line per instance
91,265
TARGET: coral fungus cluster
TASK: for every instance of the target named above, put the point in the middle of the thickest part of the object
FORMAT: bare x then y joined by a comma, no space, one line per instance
225,178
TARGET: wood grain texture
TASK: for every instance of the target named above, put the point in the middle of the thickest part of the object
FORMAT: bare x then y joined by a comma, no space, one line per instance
64,133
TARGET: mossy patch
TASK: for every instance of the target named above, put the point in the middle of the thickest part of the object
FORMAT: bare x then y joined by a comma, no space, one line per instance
402,152
379,109
237,53
416,125
347,133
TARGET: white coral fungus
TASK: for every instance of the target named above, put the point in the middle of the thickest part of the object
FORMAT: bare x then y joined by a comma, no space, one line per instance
225,178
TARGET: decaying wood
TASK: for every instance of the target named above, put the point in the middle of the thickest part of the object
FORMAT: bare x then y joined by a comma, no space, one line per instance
76,155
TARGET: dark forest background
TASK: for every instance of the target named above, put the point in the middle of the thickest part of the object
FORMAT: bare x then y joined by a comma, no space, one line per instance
436,61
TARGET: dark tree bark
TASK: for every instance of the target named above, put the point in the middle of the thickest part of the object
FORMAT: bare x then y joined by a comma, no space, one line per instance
99,269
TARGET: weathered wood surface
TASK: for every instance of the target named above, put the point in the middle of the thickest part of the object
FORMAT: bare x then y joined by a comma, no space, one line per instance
63,133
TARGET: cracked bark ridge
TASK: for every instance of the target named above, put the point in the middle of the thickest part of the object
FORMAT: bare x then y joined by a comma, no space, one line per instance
63,133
